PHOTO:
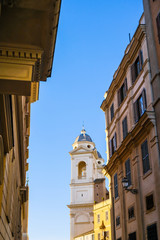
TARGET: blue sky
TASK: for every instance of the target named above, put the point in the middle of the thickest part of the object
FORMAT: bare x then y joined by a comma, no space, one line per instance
91,40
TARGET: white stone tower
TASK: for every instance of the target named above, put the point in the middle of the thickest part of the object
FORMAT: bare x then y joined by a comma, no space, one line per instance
87,184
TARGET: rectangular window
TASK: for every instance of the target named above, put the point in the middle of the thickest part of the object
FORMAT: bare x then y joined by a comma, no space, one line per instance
149,202
158,26
106,215
99,236
117,221
112,111
106,235
145,157
98,218
115,186
152,232
125,127
118,238
140,106
132,236
128,171
122,92
113,145
131,213
137,66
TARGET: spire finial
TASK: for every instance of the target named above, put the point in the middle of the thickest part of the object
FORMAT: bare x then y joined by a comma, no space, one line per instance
83,129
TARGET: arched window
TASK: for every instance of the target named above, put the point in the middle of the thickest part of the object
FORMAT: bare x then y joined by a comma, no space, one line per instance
82,170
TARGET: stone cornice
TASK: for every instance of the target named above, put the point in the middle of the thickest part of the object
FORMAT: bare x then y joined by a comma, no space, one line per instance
134,136
21,66
80,205
130,53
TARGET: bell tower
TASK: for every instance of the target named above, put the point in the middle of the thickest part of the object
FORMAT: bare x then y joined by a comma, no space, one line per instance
86,169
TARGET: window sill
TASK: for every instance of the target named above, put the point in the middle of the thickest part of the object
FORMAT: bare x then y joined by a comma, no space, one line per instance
150,210
119,226
131,219
147,174
116,199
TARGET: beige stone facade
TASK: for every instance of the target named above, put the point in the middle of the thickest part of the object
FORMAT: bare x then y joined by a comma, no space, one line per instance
152,16
132,145
28,34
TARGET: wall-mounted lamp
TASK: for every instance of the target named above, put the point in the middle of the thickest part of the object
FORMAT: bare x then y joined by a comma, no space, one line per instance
125,186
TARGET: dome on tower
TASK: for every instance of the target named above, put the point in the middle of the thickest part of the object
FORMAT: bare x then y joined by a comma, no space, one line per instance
83,137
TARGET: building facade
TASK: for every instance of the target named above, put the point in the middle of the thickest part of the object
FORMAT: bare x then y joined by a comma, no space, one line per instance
87,184
85,236
132,145
102,220
28,34
152,18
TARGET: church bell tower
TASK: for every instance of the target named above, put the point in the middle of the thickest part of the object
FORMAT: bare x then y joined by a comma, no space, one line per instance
87,184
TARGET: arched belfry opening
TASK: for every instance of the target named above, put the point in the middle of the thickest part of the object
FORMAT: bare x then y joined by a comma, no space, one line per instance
82,170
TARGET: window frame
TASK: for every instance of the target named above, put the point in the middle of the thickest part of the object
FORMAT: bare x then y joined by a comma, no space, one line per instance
132,217
125,127
135,72
116,194
153,207
98,218
119,221
158,26
128,173
136,105
122,92
146,167
149,227
112,111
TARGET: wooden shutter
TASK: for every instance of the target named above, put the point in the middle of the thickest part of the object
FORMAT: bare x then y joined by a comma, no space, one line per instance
158,26
135,106
115,141
119,97
152,232
133,73
116,185
128,171
125,86
144,99
140,59
110,148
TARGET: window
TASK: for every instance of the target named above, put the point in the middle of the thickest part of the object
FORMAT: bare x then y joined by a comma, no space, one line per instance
145,157
152,232
131,213
149,202
137,66
106,215
82,170
98,218
113,145
128,171
99,236
122,92
158,26
112,111
140,106
106,235
115,186
118,238
132,236
92,236
125,127
117,221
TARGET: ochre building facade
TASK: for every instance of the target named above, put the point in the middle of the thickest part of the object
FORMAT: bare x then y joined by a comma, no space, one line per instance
28,34
132,145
